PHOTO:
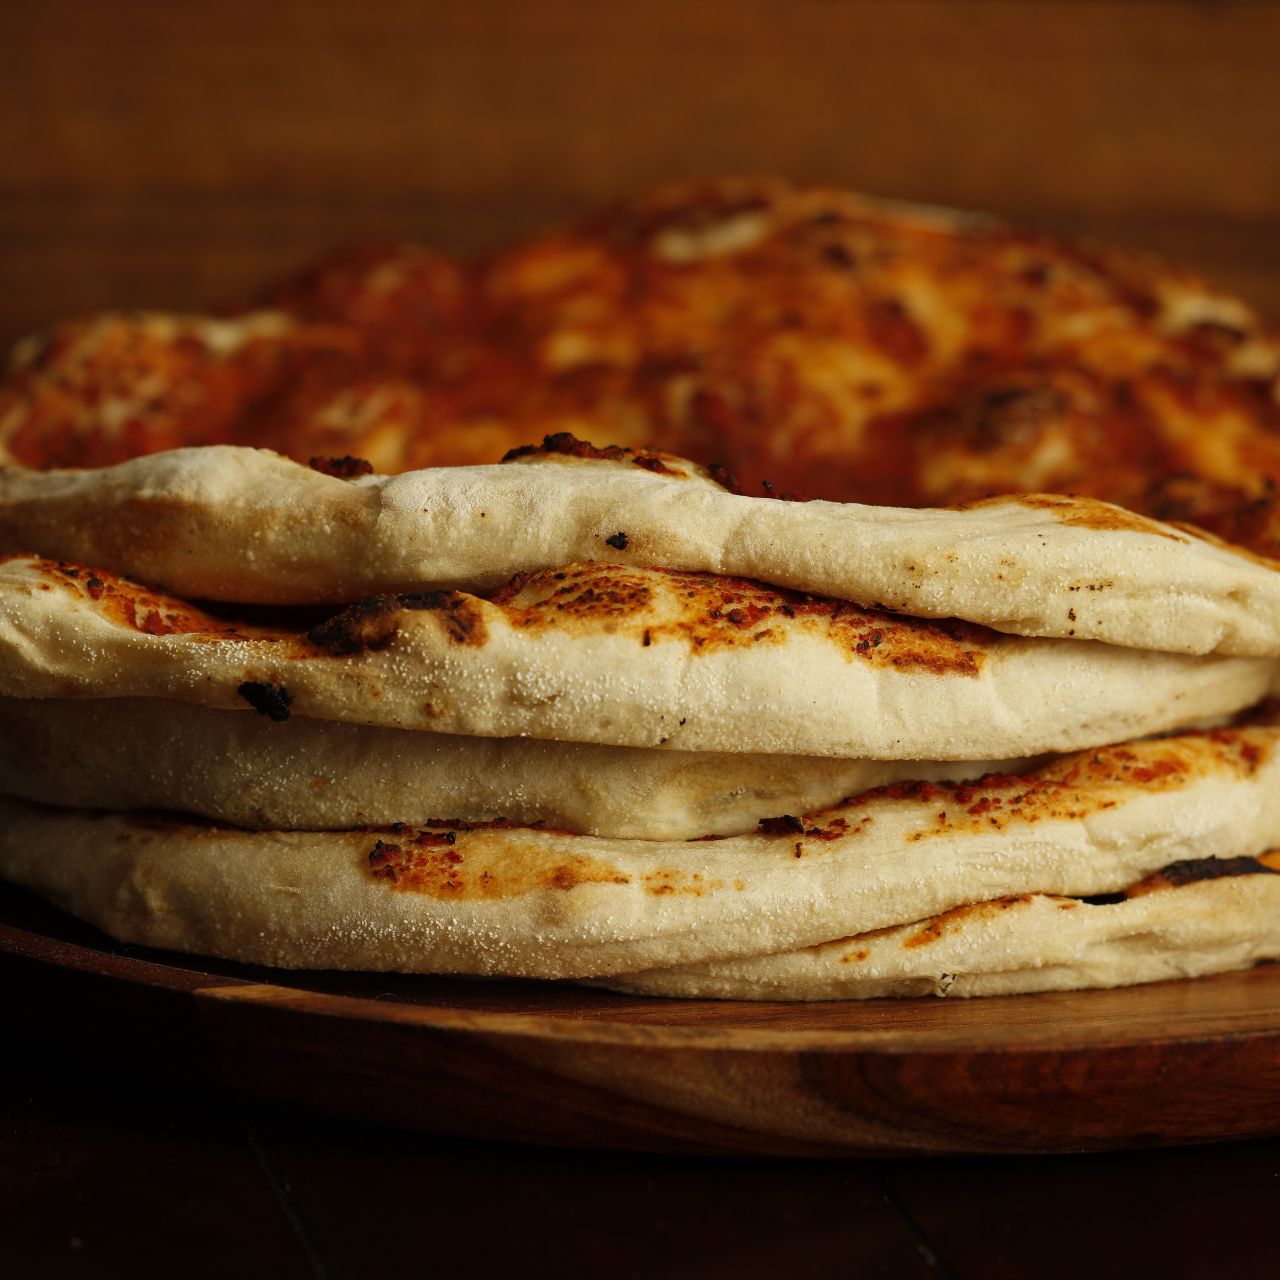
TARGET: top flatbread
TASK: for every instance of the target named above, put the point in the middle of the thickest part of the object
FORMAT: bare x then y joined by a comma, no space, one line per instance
246,525
845,347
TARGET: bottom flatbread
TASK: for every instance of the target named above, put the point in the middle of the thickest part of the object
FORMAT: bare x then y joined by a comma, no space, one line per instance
1190,919
538,903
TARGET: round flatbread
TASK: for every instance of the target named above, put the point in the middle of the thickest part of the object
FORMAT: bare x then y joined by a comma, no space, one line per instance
1189,919
845,347
618,656
515,901
303,774
247,525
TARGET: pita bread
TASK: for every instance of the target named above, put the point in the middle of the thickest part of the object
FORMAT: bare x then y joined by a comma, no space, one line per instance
1171,925
618,656
236,767
249,526
845,347
542,904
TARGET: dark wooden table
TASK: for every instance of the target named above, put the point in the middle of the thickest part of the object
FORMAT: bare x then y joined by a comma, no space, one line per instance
106,1173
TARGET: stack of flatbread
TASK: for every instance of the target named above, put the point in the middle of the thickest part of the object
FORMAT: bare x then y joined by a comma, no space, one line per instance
592,713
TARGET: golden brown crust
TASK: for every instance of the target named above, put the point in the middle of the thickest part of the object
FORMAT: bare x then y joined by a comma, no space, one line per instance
639,658
716,612
488,897
835,346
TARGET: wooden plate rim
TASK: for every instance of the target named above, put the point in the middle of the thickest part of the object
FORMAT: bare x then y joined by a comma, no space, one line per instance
990,1036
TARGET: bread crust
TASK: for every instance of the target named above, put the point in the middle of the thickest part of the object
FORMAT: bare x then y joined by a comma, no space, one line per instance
617,656
246,525
503,900
834,345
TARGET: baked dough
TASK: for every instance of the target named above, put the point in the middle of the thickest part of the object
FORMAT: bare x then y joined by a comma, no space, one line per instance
249,526
303,774
1173,924
531,903
617,656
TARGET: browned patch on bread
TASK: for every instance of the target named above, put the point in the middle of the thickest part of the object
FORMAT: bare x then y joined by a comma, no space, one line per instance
1075,786
1083,513
373,623
131,605
933,929
1194,870
709,613
671,880
567,445
828,828
473,865
605,593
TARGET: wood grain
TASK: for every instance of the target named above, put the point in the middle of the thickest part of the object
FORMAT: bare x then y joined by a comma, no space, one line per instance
553,1064
171,154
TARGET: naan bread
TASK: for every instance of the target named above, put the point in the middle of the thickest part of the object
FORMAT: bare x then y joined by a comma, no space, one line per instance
249,526
543,904
302,774
843,347
1186,920
618,656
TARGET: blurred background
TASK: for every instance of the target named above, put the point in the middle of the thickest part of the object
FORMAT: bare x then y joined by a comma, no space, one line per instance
174,154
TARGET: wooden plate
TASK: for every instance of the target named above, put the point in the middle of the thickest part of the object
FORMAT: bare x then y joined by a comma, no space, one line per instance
1146,1066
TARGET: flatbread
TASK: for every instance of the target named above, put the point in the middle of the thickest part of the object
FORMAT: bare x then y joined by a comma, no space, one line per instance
302,774
249,526
1173,924
841,346
542,904
618,656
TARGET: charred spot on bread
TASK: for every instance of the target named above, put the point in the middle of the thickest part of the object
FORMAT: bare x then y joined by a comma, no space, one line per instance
373,623
724,477
1193,870
567,445
785,824
345,468
270,700
618,541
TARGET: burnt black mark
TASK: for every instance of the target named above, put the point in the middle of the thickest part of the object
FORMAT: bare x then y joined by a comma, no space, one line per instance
345,468
568,445
271,700
1194,870
618,541
786,825
725,478
372,623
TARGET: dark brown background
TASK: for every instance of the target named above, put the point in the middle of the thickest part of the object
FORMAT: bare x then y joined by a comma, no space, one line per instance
158,153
